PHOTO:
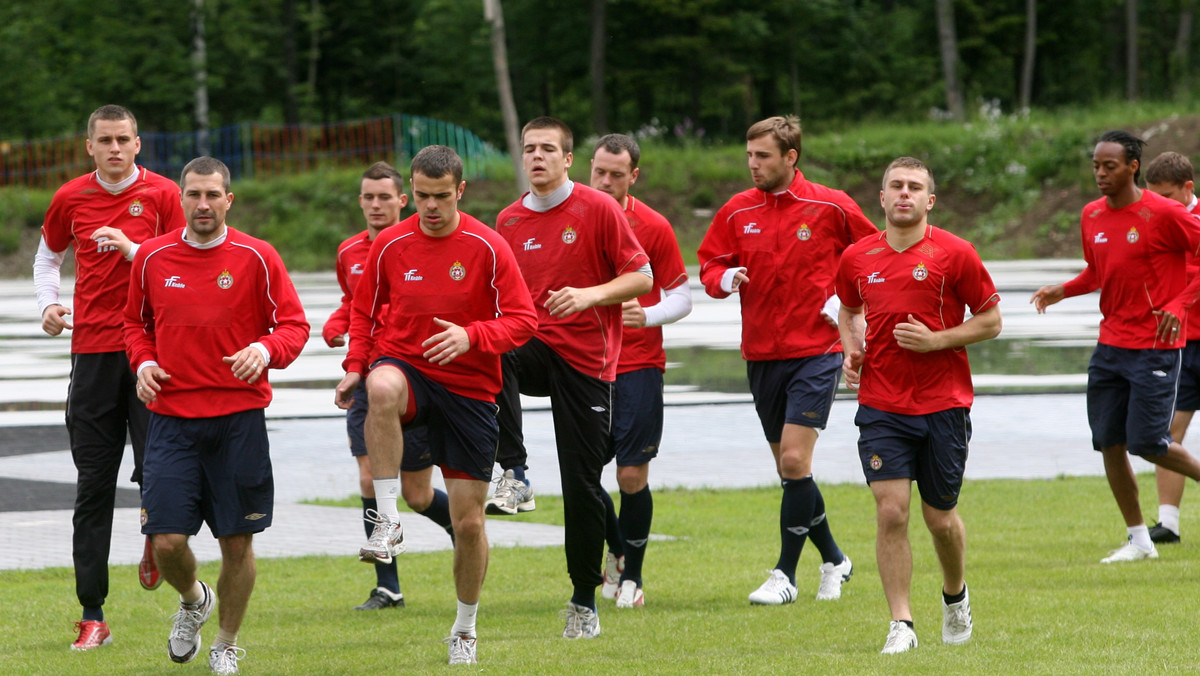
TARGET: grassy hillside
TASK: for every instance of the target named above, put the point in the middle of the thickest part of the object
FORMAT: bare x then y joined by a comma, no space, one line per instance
1013,184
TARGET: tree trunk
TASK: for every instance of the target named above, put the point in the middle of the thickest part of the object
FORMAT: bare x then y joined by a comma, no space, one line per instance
948,40
200,74
1131,50
1181,55
493,13
291,112
599,39
1026,96
315,22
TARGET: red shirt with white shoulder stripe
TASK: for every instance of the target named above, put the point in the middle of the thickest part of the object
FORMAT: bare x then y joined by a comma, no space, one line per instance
351,258
643,348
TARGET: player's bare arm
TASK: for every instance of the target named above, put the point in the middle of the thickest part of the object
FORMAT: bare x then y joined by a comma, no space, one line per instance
853,329
343,394
448,345
918,337
569,300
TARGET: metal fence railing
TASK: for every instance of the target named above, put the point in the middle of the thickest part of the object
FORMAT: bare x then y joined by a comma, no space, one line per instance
254,150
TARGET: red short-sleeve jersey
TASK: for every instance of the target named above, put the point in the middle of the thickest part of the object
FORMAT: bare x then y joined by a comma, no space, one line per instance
643,348
936,281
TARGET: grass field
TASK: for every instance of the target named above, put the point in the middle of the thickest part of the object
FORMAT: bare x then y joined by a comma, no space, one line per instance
1043,604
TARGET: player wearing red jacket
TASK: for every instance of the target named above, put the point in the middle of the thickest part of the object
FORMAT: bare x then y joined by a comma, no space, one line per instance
580,261
103,215
440,299
208,311
913,284
638,391
1136,244
776,246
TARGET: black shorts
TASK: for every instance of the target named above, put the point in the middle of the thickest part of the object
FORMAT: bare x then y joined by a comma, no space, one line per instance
460,432
1188,398
1131,398
796,391
637,421
212,470
930,449
416,440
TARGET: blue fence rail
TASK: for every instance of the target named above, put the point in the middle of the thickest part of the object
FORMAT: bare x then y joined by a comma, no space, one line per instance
255,150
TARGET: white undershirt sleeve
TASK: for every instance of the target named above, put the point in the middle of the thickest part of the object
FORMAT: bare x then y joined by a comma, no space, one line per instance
832,307
47,275
727,279
675,305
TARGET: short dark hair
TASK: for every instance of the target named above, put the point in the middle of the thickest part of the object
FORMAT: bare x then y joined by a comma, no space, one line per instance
1132,145
436,162
111,112
545,122
910,163
619,143
381,170
205,166
1171,168
785,130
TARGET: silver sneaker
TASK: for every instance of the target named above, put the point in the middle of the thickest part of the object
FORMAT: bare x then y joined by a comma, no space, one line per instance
613,567
223,658
956,620
511,496
832,578
776,591
900,639
386,541
184,641
581,622
462,649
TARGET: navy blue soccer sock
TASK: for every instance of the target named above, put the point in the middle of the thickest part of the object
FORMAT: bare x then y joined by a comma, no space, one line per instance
93,614
519,474
438,512
820,534
584,596
637,511
385,573
795,516
612,527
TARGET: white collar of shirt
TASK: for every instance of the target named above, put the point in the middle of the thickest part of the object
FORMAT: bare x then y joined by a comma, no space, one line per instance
544,204
206,245
117,187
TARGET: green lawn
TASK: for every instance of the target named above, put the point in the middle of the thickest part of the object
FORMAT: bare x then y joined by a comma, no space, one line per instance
1043,604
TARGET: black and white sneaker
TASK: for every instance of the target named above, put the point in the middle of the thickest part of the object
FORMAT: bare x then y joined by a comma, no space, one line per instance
382,598
1162,535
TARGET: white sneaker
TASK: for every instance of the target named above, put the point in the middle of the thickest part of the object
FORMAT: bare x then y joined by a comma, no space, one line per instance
581,622
832,578
956,620
386,541
462,649
630,596
613,567
776,591
901,638
511,496
223,658
1130,552
184,641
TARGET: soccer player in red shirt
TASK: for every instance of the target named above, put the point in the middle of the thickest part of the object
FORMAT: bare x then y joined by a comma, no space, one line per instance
104,215
209,311
912,284
581,261
440,299
776,247
1136,243
1172,176
638,391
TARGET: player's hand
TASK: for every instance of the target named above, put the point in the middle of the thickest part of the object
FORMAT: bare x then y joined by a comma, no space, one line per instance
739,278
54,319
569,300
915,336
1047,296
149,383
446,346
633,316
343,394
109,238
336,341
1169,326
247,364
852,368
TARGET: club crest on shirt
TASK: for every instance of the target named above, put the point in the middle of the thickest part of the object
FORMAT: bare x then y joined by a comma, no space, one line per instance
225,279
1132,236
804,233
568,235
457,271
876,462
920,272
135,208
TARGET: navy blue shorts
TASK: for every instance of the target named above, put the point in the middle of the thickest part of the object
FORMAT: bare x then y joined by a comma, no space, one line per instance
637,421
930,449
461,433
211,470
416,441
1131,398
1188,398
796,391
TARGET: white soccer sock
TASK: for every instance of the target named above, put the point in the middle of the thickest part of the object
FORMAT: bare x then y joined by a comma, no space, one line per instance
386,492
1168,515
465,622
1140,536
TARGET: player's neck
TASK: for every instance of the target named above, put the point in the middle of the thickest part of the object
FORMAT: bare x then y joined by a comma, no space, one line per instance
1124,198
900,237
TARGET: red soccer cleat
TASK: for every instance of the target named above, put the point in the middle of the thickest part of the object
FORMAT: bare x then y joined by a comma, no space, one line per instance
92,634
147,569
